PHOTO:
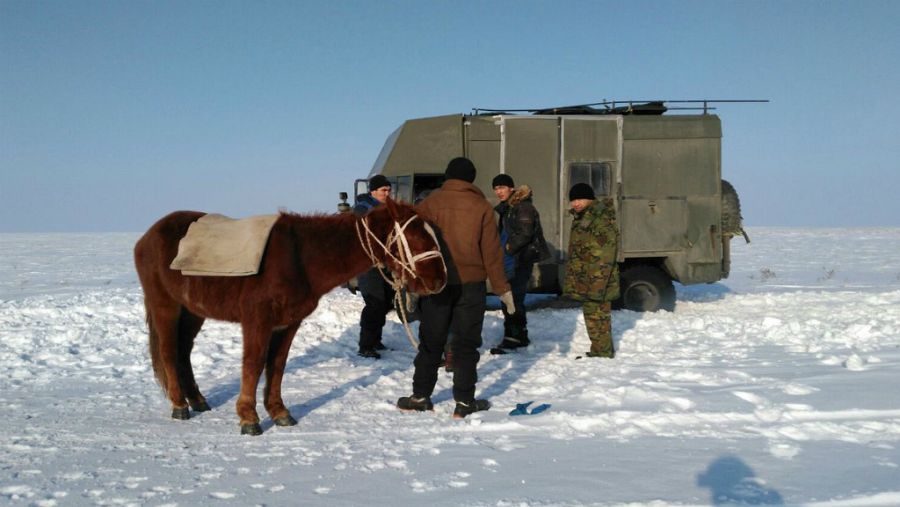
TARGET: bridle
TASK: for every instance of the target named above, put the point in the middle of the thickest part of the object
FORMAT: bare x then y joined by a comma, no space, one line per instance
404,259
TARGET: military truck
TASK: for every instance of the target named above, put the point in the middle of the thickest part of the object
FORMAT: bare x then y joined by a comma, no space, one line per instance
676,214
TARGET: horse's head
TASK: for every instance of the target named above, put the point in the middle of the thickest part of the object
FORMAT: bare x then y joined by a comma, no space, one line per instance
402,241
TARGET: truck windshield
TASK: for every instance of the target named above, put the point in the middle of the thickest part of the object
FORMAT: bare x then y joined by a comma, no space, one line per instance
401,188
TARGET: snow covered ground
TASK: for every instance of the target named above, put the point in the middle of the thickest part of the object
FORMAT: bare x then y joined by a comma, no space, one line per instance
776,386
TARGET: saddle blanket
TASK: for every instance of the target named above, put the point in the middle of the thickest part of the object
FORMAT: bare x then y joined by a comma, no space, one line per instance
216,245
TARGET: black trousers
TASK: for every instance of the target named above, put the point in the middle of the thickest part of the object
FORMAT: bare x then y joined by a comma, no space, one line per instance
516,325
379,299
461,306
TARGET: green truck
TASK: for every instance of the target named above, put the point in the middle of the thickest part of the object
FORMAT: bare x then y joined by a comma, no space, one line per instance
676,214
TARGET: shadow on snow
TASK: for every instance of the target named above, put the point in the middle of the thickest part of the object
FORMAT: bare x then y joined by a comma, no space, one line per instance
731,481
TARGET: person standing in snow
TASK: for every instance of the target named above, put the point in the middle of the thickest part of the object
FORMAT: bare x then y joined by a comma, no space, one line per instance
377,293
464,222
592,274
523,244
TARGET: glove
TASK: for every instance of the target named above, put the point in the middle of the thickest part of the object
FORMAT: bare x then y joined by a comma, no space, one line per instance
507,299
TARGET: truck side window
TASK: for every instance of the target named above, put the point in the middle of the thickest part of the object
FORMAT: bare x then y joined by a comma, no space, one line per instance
596,174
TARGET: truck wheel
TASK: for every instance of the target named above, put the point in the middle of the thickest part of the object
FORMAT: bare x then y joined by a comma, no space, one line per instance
645,289
731,210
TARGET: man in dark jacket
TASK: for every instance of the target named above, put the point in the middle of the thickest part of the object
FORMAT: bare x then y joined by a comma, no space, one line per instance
376,292
523,245
465,225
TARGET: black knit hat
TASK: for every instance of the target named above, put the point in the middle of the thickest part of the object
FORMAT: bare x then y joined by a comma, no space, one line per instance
581,191
377,182
460,168
503,180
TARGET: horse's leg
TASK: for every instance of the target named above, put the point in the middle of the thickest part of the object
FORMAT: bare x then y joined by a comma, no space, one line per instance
165,318
275,361
256,345
188,327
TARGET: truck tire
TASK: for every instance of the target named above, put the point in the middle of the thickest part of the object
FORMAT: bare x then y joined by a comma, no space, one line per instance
645,289
731,210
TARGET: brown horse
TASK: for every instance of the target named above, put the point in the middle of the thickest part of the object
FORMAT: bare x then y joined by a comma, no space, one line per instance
305,257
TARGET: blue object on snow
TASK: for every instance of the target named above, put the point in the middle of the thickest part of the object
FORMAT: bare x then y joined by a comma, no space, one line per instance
522,409
540,408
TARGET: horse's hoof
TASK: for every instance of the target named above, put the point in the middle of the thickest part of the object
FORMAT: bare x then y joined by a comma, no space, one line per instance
200,406
251,429
182,414
285,420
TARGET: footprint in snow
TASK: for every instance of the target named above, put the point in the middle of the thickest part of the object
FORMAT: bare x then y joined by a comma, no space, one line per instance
751,398
854,363
784,451
798,389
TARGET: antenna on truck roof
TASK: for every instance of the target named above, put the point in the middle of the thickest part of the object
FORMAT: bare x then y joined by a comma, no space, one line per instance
636,107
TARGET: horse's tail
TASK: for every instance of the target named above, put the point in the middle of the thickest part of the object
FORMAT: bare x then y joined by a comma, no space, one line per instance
155,353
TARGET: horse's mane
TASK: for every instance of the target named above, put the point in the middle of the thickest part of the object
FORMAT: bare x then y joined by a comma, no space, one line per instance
333,232
317,219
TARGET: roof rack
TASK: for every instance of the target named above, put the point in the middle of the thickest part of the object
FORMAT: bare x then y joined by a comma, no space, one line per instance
636,107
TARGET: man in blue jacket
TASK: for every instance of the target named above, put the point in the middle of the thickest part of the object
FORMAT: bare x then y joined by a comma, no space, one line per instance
376,292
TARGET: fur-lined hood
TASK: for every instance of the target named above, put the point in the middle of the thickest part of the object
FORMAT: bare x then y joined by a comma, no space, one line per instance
521,193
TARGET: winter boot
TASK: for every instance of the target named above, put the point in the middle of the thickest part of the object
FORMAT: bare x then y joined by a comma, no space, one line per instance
514,341
469,407
414,404
368,354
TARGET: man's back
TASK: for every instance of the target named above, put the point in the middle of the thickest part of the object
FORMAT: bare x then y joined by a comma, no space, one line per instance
469,237
466,221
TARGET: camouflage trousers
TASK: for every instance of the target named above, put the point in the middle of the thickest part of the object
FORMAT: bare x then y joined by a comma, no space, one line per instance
598,321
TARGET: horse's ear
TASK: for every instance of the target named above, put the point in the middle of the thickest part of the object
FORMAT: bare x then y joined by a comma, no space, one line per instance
392,208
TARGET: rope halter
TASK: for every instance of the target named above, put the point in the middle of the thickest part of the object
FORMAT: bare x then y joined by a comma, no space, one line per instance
404,259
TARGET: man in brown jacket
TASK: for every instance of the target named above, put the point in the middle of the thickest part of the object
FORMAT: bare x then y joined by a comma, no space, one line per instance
471,247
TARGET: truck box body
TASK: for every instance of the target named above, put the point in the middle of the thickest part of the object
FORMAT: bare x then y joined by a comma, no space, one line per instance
664,173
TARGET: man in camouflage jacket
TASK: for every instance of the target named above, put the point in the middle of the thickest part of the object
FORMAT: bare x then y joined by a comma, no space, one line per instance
592,274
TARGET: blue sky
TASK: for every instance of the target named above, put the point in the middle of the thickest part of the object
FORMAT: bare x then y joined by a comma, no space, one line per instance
112,114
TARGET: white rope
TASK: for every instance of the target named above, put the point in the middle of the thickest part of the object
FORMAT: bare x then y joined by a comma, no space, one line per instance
406,261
